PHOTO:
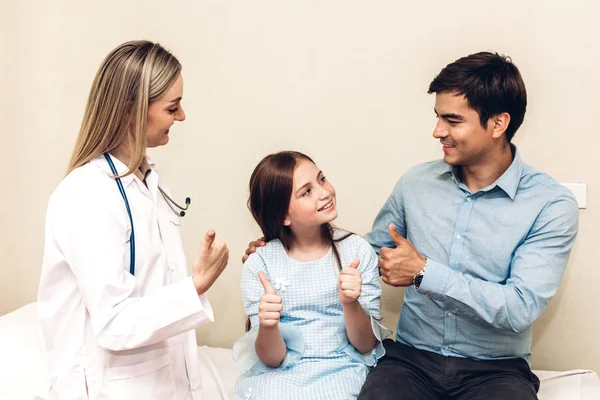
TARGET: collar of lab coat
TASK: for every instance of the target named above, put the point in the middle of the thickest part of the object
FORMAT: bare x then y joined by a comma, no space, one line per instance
121,168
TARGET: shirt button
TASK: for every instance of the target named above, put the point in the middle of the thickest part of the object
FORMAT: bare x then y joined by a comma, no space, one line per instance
458,237
450,314
469,199
446,347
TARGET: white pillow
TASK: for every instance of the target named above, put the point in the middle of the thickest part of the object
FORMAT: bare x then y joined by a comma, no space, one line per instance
218,372
23,369
576,384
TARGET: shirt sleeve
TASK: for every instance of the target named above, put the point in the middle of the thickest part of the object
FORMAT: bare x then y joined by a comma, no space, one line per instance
391,212
92,233
536,270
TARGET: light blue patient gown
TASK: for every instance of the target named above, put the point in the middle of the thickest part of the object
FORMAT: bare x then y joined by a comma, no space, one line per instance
320,362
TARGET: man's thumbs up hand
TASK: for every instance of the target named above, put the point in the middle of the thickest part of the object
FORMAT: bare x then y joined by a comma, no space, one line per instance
399,266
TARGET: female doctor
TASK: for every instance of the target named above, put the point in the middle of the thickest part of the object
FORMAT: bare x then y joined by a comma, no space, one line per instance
116,307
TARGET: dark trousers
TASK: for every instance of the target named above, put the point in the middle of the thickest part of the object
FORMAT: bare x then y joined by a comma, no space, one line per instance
412,374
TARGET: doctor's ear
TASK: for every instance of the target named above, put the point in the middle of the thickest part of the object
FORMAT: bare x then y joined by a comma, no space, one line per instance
287,222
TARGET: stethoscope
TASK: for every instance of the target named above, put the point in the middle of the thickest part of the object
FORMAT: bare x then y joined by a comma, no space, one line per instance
168,200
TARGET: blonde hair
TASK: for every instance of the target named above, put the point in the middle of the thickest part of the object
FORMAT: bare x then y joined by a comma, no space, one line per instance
131,77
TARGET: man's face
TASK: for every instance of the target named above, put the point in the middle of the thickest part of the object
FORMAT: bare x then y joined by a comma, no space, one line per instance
464,141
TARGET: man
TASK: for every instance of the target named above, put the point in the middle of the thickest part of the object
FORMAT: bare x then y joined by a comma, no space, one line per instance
487,243
481,239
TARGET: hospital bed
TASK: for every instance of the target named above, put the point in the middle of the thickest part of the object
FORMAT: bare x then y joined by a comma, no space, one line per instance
23,373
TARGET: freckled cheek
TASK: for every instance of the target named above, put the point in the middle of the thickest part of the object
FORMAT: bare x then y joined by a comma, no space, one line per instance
309,209
302,211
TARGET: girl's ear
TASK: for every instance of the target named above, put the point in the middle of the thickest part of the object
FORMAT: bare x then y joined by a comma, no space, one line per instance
286,221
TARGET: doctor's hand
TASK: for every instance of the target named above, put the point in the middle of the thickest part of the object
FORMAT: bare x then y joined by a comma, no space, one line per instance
400,265
269,308
260,242
211,261
350,283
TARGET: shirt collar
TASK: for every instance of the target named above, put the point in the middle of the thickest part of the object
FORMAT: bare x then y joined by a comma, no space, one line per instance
445,169
148,166
508,181
121,168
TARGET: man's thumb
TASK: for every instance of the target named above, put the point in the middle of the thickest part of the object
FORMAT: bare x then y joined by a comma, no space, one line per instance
354,264
395,235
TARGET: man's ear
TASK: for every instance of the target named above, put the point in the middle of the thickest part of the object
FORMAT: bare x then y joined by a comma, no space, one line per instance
500,123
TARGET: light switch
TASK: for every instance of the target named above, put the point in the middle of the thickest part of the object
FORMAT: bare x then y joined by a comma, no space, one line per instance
579,190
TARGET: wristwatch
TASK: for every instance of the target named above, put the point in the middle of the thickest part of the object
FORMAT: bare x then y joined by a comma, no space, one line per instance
418,278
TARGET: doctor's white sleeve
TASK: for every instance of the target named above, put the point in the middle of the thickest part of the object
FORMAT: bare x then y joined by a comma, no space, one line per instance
93,234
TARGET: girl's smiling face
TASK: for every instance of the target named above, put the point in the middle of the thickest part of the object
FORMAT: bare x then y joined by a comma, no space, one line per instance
313,201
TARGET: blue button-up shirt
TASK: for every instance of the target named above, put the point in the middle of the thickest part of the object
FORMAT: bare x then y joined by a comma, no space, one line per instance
495,257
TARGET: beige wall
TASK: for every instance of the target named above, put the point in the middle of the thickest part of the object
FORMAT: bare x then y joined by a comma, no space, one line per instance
344,81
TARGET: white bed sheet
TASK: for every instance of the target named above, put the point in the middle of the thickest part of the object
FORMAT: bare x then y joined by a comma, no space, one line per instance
23,373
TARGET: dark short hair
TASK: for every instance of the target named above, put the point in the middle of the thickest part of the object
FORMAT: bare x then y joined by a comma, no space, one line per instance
490,82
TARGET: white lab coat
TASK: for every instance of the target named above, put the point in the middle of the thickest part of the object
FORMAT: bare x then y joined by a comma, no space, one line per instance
124,336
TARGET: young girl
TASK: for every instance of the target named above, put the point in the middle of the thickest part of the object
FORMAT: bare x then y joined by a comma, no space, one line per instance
312,293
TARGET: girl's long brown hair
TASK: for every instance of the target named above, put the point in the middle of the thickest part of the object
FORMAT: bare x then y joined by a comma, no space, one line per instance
271,187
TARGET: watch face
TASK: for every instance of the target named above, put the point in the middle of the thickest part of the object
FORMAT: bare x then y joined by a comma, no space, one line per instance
418,280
